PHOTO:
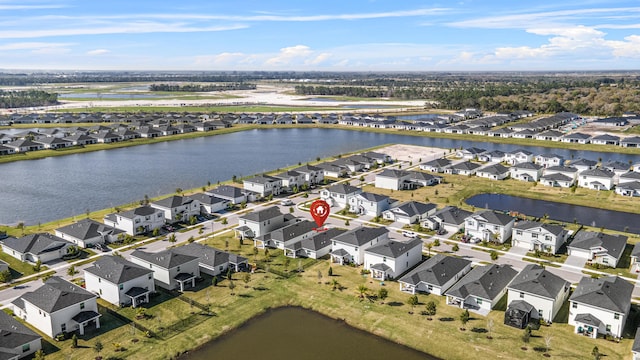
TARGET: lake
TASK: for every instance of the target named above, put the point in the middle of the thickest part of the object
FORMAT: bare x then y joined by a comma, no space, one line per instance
57,187
296,333
609,219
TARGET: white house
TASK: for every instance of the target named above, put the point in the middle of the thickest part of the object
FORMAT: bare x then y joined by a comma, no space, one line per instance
258,223
605,139
285,236
493,172
213,261
436,275
315,246
599,248
177,208
518,156
312,175
437,165
583,164
210,204
628,188
263,185
349,247
488,225
291,180
333,170
171,269
548,160
119,281
369,204
33,247
533,235
576,137
230,193
600,306
463,168
18,341
481,288
450,218
471,153
58,306
410,212
137,221
495,156
526,171
339,195
392,258
542,290
596,179
559,176
393,179
87,232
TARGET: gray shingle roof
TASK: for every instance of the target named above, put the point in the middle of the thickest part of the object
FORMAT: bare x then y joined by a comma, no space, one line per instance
173,201
557,177
527,166
13,333
560,168
452,215
166,259
262,215
534,279
603,173
527,225
412,208
466,165
394,174
262,179
610,293
583,162
361,235
614,244
116,269
292,231
139,211
227,191
35,243
493,217
207,255
631,175
57,294
321,239
438,270
88,229
496,169
485,282
374,197
343,189
393,249
438,163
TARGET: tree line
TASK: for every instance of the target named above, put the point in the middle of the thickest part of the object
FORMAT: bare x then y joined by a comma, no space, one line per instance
26,98
201,88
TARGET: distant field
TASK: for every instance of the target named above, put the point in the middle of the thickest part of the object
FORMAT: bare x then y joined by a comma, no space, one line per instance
223,109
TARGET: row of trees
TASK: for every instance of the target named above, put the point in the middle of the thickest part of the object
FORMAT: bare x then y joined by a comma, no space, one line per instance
202,88
26,98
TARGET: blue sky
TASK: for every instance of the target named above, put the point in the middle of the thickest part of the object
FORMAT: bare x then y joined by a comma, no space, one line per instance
347,35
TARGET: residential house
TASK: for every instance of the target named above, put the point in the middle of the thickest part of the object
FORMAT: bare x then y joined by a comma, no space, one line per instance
233,194
393,179
311,175
576,137
632,141
526,171
493,172
495,156
333,170
171,269
598,248
119,281
54,143
260,222
548,160
210,204
543,292
437,165
605,139
533,235
418,178
436,275
392,258
559,176
264,185
550,135
87,232
283,237
24,145
450,218
380,158
518,156
488,225
482,288
600,306
617,167
349,247
339,195
631,188
583,164
409,212
314,247
18,341
463,168
33,247
137,221
58,306
471,153
81,139
291,180
212,261
596,179
369,204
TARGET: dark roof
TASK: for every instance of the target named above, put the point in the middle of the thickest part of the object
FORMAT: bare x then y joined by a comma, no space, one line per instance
13,333
495,169
35,243
493,217
438,270
262,215
610,293
412,208
604,173
535,279
557,177
614,244
393,248
88,229
173,201
294,230
606,137
261,179
577,135
527,165
392,173
206,255
630,175
116,269
307,169
374,197
206,199
139,211
589,320
560,168
527,225
360,235
57,294
438,163
466,165
167,259
227,191
321,239
343,189
583,162
452,215
485,282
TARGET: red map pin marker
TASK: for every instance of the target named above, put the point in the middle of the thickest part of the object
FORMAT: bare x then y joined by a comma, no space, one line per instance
319,211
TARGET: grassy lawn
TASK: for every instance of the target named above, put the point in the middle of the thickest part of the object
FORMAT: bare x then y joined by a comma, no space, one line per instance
559,258
18,266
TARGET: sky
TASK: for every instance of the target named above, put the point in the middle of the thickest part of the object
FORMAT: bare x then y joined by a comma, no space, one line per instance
328,35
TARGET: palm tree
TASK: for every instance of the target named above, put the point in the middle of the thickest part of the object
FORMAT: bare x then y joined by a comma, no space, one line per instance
362,291
71,271
231,286
429,246
335,284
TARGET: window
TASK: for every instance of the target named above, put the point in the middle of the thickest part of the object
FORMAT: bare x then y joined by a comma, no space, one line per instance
356,249
149,277
63,327
605,260
608,328
616,316
26,347
99,280
100,291
479,301
574,305
150,266
534,236
522,295
548,237
121,286
540,313
384,259
81,306
178,269
519,232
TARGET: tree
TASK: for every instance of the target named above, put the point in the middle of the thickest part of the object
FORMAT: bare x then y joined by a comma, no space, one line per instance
413,301
595,352
526,336
436,242
383,293
38,266
346,222
266,254
319,277
255,253
225,221
429,246
74,341
431,308
229,274
455,247
5,276
494,255
39,355
231,286
178,191
286,264
20,226
97,347
291,210
246,278
489,328
71,271
362,291
155,232
330,271
464,318
547,342
191,239
214,281
172,238
335,284
193,220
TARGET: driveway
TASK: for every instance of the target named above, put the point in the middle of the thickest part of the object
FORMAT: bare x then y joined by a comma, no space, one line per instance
518,250
574,262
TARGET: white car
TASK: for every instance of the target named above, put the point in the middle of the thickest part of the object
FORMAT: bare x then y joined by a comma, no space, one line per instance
409,234
286,202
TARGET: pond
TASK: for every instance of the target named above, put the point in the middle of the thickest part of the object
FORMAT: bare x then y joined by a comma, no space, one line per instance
609,219
296,333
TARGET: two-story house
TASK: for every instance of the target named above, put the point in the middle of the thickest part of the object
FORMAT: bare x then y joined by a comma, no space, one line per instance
596,179
370,204
87,232
599,248
534,235
450,218
119,281
311,175
177,208
548,160
349,247
230,193
212,261
339,195
526,171
482,288
171,269
263,185
392,258
488,225
137,221
260,222
393,179
18,341
436,275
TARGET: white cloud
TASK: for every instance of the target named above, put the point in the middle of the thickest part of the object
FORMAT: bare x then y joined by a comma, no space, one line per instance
318,59
32,46
220,59
289,54
97,52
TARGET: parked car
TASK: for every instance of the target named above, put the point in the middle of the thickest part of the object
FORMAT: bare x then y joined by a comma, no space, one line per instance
441,231
286,202
409,234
